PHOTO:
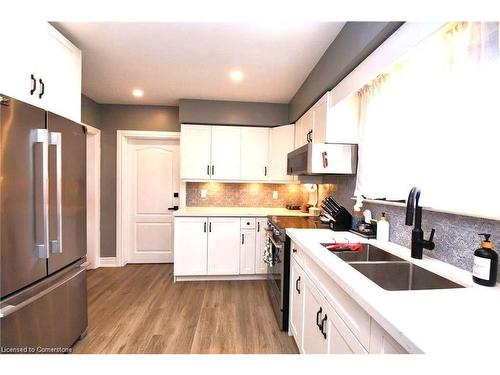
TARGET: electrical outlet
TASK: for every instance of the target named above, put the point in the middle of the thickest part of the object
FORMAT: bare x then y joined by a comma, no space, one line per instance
203,193
275,194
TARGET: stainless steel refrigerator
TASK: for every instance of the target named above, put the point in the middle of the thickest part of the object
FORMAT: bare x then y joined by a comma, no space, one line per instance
43,229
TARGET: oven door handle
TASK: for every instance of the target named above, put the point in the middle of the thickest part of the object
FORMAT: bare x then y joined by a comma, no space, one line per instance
276,245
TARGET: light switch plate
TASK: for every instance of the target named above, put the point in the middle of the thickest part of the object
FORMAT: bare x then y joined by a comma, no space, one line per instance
275,194
203,193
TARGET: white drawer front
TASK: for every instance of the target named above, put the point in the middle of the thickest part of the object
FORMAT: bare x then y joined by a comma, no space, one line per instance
247,223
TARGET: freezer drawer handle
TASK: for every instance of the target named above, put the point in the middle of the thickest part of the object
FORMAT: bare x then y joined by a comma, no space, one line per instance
10,309
55,140
42,218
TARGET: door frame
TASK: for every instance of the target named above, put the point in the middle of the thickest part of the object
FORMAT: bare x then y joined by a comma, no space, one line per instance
122,140
93,196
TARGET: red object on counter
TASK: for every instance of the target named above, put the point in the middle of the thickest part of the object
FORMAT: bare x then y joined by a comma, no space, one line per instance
345,247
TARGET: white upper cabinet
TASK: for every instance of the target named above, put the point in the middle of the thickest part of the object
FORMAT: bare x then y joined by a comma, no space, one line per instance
320,117
226,153
254,154
63,76
41,67
195,152
281,142
343,119
234,153
300,134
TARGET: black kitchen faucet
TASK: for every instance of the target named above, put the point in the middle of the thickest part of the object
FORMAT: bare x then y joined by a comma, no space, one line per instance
417,234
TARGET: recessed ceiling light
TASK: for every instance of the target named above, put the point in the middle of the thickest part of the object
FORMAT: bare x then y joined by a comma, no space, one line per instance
137,93
236,75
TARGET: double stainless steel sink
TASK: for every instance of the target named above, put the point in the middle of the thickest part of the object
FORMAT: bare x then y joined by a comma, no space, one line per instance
391,272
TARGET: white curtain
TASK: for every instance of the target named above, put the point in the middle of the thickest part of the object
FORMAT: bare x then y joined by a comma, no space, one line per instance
433,121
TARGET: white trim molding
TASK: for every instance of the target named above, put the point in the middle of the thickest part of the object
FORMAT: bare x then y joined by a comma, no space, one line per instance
122,138
108,262
93,196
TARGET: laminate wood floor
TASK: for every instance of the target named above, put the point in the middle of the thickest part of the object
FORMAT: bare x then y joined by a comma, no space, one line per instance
139,309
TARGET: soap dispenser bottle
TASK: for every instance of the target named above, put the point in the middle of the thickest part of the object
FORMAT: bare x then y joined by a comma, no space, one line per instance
485,263
383,229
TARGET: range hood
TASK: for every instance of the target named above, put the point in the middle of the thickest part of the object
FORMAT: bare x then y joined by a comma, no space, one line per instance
323,158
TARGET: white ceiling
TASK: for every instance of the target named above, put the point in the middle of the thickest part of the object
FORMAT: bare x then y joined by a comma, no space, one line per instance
172,61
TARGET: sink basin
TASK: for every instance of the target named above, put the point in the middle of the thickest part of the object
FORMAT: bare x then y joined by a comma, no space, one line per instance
368,253
403,276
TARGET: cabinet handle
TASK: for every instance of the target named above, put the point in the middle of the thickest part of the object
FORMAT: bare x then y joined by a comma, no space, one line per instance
213,170
323,324
258,226
311,136
242,238
318,317
208,169
42,89
265,171
294,250
210,227
297,285
33,84
205,227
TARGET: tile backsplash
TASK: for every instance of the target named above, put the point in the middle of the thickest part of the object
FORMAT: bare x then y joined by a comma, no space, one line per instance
244,194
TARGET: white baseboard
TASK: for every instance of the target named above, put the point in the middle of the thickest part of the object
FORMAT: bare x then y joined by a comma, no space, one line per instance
108,262
220,277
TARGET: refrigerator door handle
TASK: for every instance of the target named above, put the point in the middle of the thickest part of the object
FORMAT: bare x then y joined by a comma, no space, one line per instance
56,140
42,218
10,309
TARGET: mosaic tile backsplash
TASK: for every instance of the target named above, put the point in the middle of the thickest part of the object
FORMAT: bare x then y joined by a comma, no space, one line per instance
244,195
456,236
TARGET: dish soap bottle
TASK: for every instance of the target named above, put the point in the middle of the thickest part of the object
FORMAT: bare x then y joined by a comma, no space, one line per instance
485,263
383,229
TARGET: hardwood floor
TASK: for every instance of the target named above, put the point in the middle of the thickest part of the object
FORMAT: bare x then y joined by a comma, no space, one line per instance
139,309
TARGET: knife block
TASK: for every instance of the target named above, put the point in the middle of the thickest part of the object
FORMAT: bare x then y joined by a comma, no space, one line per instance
343,220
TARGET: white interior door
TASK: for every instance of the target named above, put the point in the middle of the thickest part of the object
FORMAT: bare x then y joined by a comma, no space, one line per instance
153,178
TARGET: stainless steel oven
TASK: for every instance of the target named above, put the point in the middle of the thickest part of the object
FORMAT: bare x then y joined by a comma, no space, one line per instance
279,273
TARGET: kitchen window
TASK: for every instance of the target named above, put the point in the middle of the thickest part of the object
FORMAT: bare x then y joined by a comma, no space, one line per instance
433,121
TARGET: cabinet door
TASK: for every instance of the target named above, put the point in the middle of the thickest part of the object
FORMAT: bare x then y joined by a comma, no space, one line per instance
226,142
298,134
223,246
343,121
62,74
320,111
313,340
260,246
296,302
281,142
195,152
307,125
254,153
190,245
21,57
382,343
247,252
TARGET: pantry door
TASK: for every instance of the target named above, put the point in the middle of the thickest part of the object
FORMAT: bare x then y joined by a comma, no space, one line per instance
153,190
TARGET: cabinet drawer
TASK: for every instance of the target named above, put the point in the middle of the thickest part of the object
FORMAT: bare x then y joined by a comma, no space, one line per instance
247,223
354,316
297,253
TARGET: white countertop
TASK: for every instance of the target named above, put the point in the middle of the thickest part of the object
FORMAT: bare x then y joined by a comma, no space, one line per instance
238,211
447,321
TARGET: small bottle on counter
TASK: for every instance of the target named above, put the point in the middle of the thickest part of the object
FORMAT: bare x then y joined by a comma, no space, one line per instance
485,263
383,229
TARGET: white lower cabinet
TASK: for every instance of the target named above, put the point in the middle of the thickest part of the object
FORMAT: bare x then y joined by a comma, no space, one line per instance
223,257
383,343
260,245
296,320
247,252
190,244
321,324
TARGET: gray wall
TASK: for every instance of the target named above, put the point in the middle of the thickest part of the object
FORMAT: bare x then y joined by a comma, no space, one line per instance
91,112
354,43
216,112
110,118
